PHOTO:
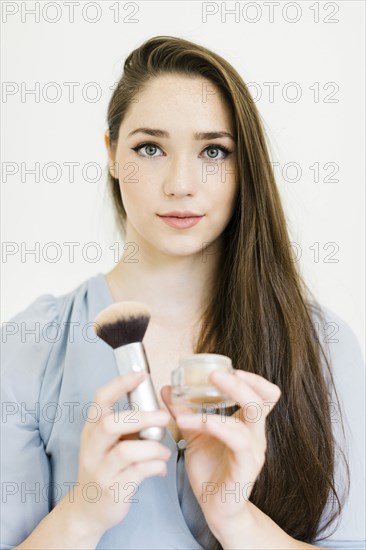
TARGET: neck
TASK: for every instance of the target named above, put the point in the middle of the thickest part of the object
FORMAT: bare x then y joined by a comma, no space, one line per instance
175,288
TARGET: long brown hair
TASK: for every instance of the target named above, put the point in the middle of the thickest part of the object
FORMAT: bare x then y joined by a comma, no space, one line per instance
261,311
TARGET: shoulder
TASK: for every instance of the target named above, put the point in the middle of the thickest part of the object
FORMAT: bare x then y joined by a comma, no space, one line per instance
335,328
46,312
32,334
24,338
339,342
40,307
347,368
347,409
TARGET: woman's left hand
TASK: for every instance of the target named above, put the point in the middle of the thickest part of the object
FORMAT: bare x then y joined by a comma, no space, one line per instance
225,454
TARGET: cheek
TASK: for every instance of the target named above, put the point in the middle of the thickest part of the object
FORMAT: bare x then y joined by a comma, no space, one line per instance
224,178
138,203
134,192
224,193
131,178
138,182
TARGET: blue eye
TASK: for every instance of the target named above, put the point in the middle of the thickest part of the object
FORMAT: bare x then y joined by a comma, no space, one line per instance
221,148
138,147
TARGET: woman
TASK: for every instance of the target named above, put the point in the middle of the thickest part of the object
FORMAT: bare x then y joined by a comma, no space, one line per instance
184,136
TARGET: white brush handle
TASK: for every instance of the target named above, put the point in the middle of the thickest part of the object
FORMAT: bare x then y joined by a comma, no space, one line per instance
132,358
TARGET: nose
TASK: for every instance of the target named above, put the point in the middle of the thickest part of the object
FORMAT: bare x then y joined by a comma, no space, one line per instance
180,179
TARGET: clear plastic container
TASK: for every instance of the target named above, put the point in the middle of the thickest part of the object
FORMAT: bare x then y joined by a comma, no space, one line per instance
191,387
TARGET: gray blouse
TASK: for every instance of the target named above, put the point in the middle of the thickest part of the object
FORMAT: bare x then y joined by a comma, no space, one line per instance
51,365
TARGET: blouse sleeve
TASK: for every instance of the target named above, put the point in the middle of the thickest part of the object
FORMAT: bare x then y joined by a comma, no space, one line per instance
26,342
348,369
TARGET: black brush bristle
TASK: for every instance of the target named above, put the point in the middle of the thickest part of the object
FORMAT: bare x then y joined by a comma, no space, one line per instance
122,323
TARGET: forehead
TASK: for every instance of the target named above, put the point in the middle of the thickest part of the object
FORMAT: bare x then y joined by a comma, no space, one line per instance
189,99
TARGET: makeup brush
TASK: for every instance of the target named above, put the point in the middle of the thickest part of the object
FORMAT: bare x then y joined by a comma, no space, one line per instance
122,326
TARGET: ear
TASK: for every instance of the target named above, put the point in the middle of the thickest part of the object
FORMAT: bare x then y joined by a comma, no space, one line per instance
106,138
111,154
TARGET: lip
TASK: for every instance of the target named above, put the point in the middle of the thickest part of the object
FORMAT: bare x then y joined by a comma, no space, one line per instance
181,214
181,222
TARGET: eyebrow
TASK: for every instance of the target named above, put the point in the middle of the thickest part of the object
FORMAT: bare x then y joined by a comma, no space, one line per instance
199,136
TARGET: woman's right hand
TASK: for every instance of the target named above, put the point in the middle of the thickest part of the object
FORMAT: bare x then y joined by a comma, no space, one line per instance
113,460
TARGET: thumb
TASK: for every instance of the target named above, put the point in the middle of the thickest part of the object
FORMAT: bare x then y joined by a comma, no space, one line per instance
166,394
175,410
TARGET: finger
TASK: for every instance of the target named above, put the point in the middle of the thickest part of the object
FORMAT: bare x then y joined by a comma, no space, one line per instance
125,453
266,389
111,428
137,472
270,392
174,409
244,394
235,435
166,396
106,396
248,400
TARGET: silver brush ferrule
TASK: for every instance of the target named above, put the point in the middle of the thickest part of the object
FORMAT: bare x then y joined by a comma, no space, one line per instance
132,358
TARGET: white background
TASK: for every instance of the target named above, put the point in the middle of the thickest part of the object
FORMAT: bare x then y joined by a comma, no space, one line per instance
313,53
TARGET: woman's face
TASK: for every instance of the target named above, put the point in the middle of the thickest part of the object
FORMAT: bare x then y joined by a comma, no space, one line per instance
171,169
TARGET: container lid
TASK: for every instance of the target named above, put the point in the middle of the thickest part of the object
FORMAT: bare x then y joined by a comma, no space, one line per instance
206,359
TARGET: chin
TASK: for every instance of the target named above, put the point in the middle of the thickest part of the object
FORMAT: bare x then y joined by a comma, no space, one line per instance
176,247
